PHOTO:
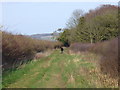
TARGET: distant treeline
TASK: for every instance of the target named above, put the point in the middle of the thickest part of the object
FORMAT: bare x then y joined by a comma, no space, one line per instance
95,26
17,49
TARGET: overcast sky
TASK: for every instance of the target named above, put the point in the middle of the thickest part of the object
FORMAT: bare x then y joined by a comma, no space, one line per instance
38,17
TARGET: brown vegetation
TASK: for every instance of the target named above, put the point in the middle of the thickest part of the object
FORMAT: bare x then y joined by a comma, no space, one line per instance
76,47
101,10
109,56
19,48
108,50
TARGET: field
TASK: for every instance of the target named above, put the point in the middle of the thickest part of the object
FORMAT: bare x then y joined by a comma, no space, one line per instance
89,41
67,70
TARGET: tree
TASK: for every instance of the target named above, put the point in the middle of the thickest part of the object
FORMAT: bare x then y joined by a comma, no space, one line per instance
74,19
98,25
64,37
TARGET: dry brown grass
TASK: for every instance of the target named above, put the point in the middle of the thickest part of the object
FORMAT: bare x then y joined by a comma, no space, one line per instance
42,54
80,47
102,80
107,50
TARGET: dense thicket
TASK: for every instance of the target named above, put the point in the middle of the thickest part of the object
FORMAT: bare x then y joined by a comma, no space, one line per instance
109,56
97,25
108,52
19,48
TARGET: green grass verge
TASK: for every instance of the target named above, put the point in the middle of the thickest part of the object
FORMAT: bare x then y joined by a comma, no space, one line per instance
54,71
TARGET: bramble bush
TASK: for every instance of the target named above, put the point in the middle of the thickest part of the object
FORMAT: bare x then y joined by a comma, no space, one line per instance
20,48
107,50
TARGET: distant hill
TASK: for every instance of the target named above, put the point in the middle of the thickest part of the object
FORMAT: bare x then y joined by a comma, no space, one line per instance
46,36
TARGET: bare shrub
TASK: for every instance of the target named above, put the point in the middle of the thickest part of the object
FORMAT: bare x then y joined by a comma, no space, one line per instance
109,56
107,50
18,48
80,47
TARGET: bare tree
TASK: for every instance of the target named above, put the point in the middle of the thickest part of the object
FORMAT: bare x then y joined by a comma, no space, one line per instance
74,19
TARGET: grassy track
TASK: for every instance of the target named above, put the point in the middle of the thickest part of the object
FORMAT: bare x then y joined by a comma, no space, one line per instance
56,71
